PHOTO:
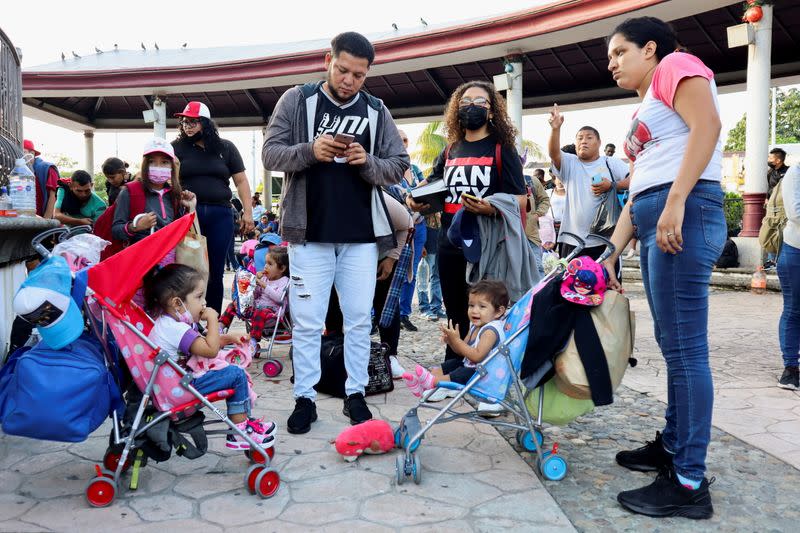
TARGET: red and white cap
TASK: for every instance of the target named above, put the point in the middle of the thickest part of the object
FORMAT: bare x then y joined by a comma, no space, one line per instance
157,144
28,145
195,110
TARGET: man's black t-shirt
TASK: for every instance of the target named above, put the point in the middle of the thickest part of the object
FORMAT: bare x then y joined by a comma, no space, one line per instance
471,168
338,200
207,174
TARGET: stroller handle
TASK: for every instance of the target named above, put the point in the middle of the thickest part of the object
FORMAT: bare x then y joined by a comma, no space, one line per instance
610,248
36,242
75,230
578,249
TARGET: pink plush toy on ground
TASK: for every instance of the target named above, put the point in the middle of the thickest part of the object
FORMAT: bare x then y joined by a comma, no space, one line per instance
372,437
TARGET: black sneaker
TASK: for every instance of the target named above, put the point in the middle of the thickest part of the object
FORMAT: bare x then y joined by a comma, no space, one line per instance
305,412
374,330
405,323
790,379
356,408
649,458
667,497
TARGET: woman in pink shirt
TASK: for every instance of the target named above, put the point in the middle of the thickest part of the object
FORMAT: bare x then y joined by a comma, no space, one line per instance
676,213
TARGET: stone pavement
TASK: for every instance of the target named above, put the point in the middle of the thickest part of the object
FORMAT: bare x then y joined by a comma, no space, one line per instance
753,451
473,480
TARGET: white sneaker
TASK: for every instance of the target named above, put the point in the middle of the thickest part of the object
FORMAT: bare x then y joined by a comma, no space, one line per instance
437,395
397,368
490,410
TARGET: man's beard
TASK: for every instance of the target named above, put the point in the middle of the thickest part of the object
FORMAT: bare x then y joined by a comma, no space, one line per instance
331,90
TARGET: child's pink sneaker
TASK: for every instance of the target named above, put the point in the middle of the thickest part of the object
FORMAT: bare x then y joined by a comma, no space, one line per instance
236,442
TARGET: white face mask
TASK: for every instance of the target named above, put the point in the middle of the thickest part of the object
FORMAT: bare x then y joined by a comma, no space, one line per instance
159,174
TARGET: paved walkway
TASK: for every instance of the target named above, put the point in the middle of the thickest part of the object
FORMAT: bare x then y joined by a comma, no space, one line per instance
472,480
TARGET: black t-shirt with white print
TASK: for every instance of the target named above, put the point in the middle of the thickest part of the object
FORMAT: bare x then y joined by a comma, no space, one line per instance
338,200
471,168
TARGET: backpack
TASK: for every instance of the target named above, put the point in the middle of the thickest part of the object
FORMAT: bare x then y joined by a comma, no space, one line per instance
102,226
61,395
730,255
770,236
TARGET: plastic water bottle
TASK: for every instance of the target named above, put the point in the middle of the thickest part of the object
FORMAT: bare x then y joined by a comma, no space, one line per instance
22,189
758,284
5,204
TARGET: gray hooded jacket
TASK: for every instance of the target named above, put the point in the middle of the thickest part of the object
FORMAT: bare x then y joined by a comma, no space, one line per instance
505,252
289,148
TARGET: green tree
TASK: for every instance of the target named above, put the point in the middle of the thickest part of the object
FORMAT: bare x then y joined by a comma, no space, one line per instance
99,180
64,163
430,144
535,152
787,123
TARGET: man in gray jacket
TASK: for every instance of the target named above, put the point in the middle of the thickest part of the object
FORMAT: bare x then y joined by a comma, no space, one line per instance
337,146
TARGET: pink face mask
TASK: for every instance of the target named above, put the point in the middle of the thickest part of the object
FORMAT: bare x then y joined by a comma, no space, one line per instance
159,174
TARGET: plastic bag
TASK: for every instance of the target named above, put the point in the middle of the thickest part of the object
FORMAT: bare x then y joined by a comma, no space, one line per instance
81,250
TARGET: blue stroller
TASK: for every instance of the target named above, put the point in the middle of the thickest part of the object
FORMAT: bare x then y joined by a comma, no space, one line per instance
496,381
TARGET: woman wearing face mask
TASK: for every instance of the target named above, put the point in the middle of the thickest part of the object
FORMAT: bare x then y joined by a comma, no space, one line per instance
477,126
207,165
164,199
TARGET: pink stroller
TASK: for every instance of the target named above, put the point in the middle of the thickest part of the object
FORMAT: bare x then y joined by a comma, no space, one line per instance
163,384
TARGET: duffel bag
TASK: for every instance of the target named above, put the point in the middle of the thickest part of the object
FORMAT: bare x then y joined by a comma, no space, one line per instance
61,395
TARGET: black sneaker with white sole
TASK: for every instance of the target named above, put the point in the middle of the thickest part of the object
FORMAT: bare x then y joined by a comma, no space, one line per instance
667,497
790,379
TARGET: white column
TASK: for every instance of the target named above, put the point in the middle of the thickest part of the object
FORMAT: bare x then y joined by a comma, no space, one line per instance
514,96
758,97
88,162
160,125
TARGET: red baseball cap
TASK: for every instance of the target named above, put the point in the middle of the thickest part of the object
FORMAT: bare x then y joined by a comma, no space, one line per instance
195,110
28,145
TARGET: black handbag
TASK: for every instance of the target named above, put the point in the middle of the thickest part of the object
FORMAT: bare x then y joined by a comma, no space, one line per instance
333,373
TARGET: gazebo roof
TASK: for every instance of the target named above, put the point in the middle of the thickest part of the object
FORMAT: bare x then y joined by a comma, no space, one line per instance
415,70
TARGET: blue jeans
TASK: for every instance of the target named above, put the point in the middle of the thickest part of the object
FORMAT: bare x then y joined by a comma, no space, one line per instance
537,253
407,290
230,377
216,224
677,292
789,326
429,289
230,257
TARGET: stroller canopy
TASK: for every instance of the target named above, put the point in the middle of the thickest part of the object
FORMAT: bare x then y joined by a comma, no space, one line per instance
117,278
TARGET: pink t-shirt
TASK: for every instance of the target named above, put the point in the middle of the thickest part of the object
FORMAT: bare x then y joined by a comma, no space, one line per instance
658,136
271,295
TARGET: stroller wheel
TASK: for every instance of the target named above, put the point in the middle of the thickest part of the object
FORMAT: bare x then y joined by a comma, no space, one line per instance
525,440
251,476
256,457
416,469
112,457
101,491
553,467
272,368
267,483
400,468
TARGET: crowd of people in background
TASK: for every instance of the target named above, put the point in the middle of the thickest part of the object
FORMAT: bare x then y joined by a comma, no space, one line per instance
359,247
